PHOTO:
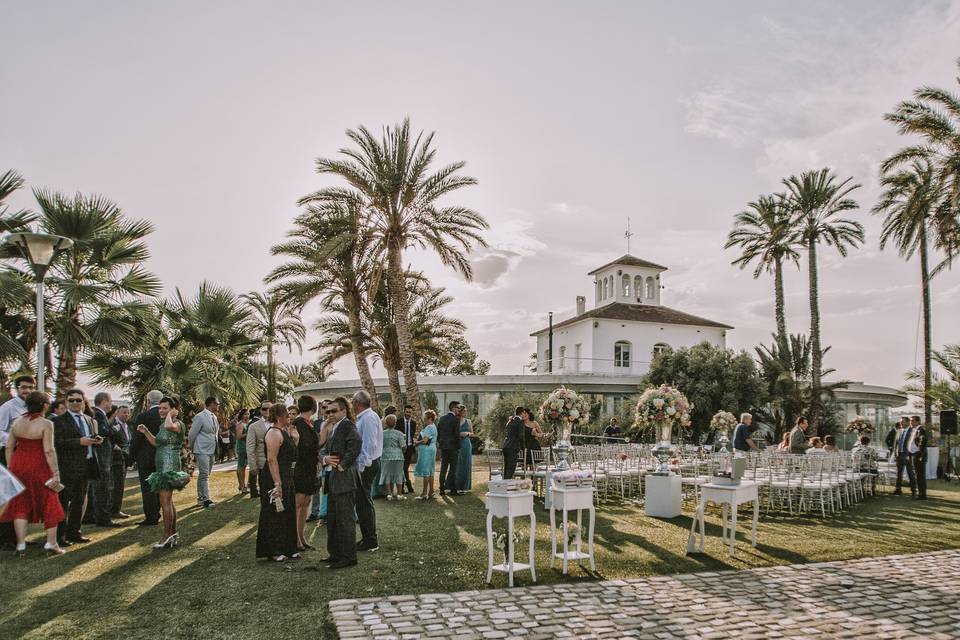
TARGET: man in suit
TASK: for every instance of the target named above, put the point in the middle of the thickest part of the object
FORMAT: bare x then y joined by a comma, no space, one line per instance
203,442
917,448
144,455
121,458
891,439
256,449
798,436
101,489
339,457
368,464
513,443
409,427
448,441
902,456
76,441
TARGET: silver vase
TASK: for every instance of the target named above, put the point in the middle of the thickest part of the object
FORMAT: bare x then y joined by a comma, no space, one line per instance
664,450
563,447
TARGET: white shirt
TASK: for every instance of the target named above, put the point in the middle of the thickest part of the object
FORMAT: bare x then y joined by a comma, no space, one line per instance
9,412
371,432
912,441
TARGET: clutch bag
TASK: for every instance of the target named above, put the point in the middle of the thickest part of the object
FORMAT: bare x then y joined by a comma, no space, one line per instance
54,485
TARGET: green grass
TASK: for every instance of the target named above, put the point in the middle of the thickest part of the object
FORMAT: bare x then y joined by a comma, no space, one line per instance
211,587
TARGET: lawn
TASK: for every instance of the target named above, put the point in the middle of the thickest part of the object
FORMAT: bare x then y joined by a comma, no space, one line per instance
211,587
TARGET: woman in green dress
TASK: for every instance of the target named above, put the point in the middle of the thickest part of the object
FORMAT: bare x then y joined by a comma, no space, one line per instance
168,476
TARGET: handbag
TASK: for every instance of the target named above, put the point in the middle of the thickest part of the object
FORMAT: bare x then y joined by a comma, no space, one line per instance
54,485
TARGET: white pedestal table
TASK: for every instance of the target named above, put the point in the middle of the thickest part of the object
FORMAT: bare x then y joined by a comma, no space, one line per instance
510,505
565,500
728,496
662,495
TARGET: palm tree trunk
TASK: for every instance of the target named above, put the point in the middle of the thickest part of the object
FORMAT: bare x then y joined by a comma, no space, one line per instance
66,370
271,379
393,377
401,316
925,286
815,355
351,300
779,307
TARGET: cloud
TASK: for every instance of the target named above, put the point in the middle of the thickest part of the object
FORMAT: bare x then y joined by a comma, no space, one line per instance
491,266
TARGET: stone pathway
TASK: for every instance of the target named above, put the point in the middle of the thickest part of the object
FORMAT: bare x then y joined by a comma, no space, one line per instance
910,596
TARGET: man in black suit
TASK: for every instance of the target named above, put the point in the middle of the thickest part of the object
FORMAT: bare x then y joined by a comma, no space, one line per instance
121,458
409,428
340,456
513,443
448,439
917,449
76,441
902,457
144,454
100,501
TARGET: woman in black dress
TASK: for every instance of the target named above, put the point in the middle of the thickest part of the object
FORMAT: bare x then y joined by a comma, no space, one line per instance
305,480
277,530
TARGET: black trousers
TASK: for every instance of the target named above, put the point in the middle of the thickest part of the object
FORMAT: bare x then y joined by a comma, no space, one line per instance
72,498
102,487
448,469
919,461
408,454
151,501
118,473
509,463
252,483
904,462
366,514
341,527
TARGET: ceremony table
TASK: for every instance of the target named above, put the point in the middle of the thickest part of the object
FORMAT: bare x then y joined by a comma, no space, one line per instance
566,499
728,496
510,505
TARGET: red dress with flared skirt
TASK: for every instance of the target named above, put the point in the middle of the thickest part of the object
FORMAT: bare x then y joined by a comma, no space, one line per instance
37,503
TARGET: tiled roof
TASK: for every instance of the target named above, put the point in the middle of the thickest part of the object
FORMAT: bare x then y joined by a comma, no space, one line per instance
640,313
630,261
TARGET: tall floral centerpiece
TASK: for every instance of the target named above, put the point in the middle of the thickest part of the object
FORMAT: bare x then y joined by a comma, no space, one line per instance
562,410
663,408
859,426
722,423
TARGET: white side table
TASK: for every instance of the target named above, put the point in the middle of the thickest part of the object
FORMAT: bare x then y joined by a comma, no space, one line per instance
510,505
662,496
566,499
727,496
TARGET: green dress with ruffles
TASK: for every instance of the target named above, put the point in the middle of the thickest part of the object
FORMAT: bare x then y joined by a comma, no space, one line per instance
169,475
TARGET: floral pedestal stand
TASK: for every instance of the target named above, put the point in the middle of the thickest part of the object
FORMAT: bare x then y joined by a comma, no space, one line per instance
566,499
510,505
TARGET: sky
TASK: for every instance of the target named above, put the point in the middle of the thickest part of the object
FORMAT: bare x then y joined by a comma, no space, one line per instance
207,118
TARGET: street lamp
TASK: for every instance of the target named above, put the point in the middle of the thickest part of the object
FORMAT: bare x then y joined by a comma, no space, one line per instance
39,249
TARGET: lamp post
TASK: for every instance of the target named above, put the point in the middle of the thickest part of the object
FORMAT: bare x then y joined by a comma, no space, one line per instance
550,344
39,249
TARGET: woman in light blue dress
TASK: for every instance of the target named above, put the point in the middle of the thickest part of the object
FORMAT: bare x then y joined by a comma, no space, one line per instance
465,461
427,455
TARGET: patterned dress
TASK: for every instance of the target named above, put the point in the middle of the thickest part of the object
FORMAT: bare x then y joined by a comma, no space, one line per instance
169,475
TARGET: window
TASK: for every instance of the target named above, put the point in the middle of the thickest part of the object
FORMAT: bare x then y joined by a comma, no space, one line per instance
660,347
648,292
604,289
563,355
547,357
626,286
599,288
621,355
638,287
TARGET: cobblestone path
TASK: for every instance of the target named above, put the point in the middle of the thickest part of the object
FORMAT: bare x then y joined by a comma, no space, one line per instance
909,596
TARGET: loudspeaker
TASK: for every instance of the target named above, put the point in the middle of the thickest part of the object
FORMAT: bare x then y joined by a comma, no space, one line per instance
948,423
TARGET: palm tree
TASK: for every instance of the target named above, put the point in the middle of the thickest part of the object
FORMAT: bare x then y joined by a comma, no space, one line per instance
764,234
16,325
912,194
332,260
274,320
97,287
815,199
944,391
297,375
392,174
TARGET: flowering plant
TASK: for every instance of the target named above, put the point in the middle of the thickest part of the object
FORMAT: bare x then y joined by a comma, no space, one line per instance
502,539
564,408
723,421
860,425
663,406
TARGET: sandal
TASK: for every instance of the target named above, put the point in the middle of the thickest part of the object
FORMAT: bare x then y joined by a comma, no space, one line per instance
280,558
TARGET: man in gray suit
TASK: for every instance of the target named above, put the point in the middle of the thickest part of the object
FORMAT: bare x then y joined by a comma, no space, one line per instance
203,443
256,450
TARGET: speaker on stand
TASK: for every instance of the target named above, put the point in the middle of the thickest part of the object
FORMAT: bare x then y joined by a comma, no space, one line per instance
948,427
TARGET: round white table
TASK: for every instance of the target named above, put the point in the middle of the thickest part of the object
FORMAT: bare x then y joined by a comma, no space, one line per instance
510,505
727,495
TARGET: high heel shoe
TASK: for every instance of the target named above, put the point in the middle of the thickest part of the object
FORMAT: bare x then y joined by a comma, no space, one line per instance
53,550
169,543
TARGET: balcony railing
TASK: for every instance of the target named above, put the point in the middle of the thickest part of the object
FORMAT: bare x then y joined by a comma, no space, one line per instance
568,364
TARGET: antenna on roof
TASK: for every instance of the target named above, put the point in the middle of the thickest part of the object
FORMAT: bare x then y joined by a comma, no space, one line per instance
628,234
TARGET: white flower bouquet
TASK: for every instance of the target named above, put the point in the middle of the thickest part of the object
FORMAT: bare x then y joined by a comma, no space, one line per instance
723,422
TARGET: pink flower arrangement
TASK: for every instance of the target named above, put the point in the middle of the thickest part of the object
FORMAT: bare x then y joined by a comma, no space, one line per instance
564,407
663,406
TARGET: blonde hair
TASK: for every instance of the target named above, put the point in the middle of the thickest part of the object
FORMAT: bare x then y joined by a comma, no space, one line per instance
429,416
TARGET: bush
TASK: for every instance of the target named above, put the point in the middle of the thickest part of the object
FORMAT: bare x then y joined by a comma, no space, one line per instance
495,422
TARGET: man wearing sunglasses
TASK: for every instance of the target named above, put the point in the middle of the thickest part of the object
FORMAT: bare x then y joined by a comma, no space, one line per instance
340,456
76,440
12,409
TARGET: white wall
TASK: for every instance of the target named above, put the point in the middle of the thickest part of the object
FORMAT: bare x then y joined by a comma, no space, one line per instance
568,336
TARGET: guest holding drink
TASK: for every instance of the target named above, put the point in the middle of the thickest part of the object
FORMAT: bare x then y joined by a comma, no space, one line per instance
427,455
277,529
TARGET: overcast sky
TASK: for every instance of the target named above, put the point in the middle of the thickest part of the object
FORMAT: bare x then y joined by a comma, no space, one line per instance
206,119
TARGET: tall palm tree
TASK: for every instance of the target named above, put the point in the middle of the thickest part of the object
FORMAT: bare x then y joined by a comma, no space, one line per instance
274,320
912,194
393,175
12,221
764,234
944,391
97,288
816,199
16,325
331,260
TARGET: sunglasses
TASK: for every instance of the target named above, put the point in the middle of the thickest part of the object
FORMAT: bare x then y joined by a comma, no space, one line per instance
74,399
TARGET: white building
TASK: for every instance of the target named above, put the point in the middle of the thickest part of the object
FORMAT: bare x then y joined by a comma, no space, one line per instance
626,326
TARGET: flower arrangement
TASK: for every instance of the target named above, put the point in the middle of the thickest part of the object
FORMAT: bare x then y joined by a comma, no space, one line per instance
501,539
723,421
860,426
564,408
663,406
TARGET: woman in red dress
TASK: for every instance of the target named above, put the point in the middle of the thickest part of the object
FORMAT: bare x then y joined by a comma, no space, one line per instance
34,463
